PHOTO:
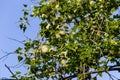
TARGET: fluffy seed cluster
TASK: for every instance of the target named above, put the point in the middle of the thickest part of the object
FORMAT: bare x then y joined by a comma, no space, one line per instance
63,62
44,48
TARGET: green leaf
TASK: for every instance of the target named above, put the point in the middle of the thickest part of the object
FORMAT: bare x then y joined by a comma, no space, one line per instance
18,72
20,58
27,46
33,68
13,76
28,61
24,29
36,42
18,50
25,5
100,74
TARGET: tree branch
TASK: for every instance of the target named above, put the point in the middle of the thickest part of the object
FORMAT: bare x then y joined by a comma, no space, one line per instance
10,71
16,40
5,55
115,68
110,75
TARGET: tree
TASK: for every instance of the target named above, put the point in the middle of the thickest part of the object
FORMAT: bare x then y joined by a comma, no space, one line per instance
77,38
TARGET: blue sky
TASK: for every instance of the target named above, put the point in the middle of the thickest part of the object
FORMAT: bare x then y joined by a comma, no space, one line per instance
10,12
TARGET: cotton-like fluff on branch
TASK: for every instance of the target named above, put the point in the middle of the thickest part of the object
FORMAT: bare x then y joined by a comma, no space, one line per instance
44,48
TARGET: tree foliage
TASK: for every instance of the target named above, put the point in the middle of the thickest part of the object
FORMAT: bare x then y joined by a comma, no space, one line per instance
77,38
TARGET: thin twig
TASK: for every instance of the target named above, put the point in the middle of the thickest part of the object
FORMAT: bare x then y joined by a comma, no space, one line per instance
18,65
10,71
5,55
115,77
110,75
15,40
92,72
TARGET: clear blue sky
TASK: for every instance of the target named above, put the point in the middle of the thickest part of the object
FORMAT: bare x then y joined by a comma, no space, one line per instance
10,12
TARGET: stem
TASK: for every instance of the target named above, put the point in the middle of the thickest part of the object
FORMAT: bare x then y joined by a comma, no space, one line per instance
10,71
93,72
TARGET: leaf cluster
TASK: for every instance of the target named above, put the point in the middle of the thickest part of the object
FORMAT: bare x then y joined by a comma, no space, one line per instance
74,39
